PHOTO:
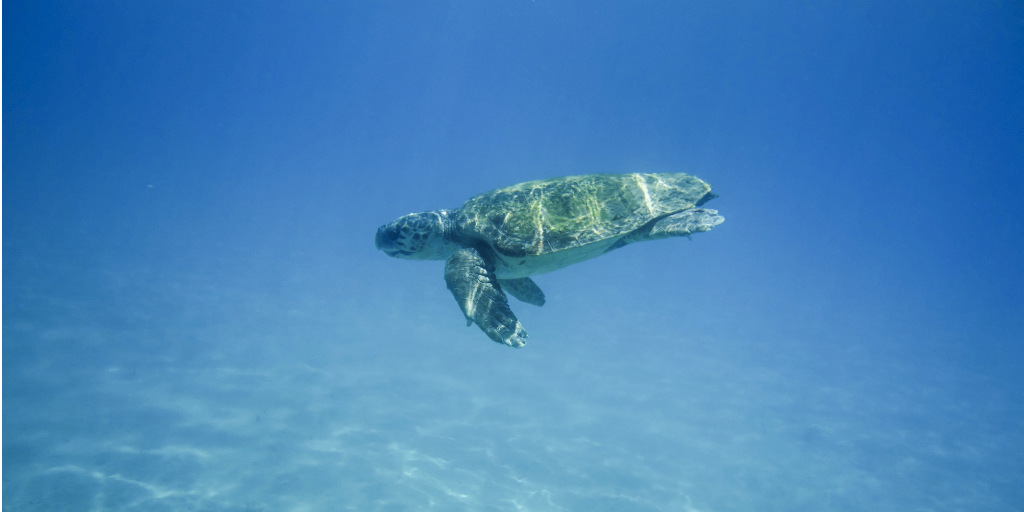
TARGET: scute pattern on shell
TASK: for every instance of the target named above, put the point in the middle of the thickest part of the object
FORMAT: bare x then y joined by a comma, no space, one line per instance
544,216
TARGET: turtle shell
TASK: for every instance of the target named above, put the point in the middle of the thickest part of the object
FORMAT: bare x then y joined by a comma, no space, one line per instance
545,216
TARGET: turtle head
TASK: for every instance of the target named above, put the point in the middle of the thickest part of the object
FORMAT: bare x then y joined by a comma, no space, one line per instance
418,236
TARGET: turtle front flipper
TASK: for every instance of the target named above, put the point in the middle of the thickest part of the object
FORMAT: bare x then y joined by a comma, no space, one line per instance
472,281
523,289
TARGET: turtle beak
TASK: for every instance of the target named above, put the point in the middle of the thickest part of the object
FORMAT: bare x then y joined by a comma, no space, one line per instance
387,236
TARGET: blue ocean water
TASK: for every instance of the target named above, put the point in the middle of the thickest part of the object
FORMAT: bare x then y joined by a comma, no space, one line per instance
196,318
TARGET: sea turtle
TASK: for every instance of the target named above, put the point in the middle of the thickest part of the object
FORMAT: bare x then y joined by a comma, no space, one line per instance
497,240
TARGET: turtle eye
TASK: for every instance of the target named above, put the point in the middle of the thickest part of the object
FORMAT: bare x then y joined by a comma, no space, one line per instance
391,235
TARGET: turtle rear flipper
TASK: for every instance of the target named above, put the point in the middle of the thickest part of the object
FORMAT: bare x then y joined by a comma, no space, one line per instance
472,281
523,289
684,223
